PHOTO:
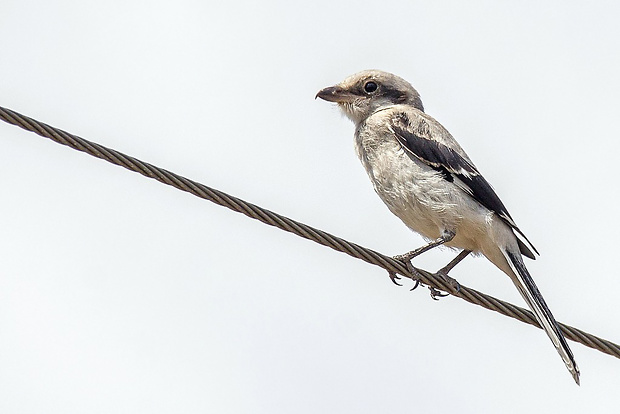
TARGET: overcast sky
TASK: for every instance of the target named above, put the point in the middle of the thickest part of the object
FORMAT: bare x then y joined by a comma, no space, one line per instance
121,295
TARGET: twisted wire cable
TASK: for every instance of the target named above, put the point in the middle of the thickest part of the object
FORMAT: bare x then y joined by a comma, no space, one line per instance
284,223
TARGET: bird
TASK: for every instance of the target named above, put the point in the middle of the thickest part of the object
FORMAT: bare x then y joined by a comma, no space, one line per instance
427,180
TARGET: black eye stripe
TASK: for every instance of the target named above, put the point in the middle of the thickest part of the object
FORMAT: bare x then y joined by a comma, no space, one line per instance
394,95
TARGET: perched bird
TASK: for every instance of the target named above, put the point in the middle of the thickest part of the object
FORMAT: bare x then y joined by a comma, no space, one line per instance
426,179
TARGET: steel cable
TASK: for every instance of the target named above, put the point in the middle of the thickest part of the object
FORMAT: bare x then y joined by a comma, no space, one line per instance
295,227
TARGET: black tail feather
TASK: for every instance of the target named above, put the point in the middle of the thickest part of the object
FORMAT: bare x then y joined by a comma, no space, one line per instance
535,301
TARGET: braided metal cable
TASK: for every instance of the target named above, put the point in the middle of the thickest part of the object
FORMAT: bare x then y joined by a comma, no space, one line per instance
295,227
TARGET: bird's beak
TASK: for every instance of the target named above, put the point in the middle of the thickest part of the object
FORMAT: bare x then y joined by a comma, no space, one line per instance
335,94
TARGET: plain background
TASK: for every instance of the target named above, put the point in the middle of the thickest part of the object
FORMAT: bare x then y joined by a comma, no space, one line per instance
121,295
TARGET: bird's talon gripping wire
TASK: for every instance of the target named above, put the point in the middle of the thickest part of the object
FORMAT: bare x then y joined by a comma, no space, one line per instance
435,294
450,281
394,277
417,283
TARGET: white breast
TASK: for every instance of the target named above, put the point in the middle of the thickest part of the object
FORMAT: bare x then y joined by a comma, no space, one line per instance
416,193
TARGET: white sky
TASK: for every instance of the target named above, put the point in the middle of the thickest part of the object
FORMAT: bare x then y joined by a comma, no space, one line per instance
122,295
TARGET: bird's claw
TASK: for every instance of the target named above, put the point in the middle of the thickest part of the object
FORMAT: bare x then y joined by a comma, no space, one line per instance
407,260
413,271
394,277
435,294
450,281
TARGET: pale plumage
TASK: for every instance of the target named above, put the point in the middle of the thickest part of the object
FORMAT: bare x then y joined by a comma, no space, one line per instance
426,179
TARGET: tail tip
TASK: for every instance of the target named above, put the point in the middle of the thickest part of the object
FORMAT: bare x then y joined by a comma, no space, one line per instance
575,373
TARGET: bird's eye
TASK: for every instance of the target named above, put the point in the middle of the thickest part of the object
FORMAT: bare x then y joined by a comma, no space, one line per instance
370,87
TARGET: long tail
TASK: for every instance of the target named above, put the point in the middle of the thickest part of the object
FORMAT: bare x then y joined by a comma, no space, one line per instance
526,286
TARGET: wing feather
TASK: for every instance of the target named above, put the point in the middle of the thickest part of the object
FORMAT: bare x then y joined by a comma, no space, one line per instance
418,141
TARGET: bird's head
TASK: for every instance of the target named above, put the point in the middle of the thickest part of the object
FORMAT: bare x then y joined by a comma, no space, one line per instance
362,94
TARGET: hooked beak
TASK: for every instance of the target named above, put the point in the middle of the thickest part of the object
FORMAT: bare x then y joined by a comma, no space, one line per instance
335,94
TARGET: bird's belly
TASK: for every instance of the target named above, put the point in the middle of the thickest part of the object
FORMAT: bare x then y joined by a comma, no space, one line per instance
422,198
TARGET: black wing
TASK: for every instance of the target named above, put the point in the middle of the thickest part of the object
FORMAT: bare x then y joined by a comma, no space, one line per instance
454,168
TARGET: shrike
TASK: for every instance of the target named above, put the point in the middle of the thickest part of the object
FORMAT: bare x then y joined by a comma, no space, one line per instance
426,179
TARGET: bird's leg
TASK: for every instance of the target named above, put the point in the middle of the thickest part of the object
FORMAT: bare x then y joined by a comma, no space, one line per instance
445,237
443,272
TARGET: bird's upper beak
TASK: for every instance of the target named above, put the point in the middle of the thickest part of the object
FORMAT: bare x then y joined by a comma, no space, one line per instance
335,94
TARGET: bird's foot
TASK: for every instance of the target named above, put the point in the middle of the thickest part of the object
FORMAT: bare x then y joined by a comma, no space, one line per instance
416,275
436,294
416,284
394,277
450,281
443,274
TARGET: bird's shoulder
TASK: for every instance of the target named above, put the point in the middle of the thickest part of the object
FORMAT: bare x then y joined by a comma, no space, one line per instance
411,121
